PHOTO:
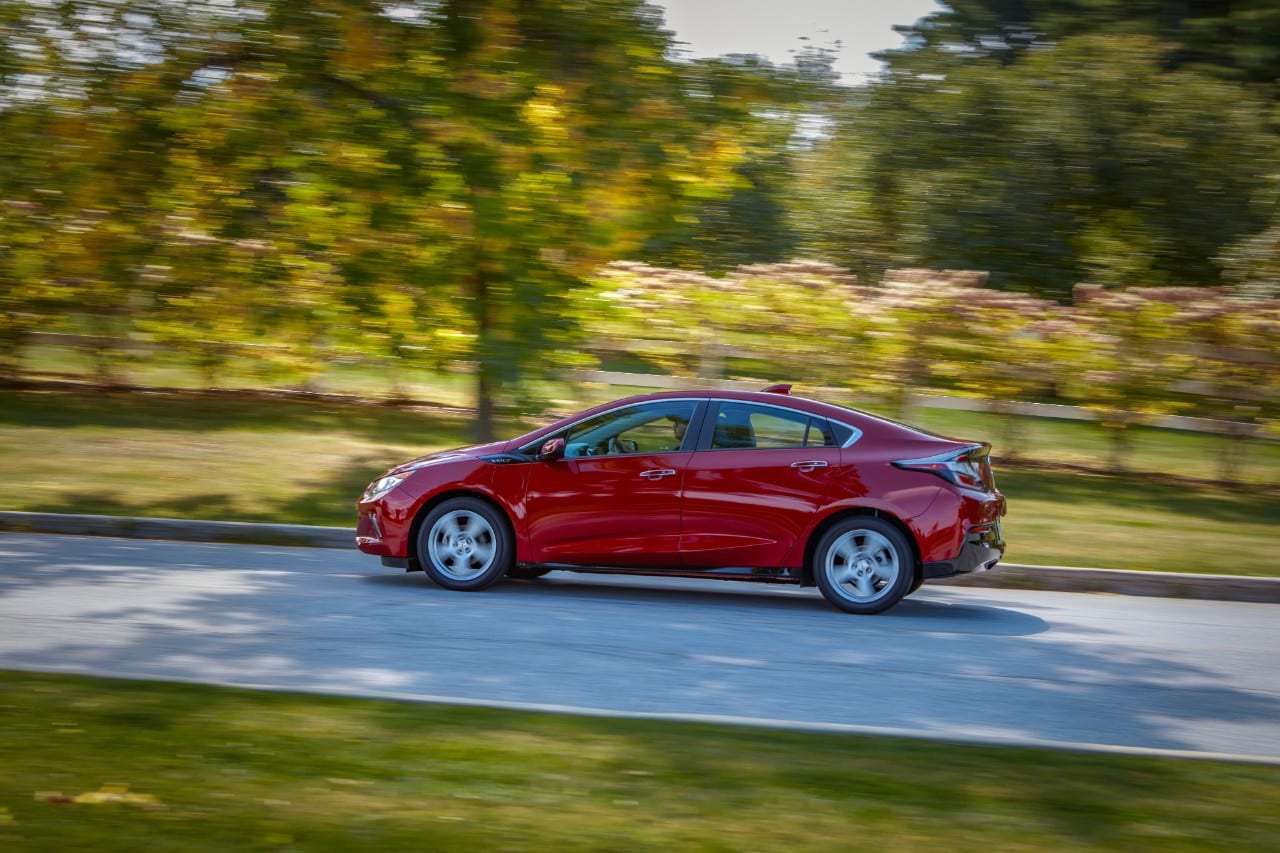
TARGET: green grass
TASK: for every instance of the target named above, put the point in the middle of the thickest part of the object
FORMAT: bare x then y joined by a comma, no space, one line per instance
92,764
1060,519
294,461
1083,443
283,460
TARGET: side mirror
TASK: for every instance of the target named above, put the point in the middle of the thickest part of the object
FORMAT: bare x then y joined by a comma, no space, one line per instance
551,450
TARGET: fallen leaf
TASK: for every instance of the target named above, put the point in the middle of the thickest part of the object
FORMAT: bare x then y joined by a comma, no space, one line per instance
114,792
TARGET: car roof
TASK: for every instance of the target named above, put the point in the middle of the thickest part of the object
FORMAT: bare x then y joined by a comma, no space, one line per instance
772,398
851,417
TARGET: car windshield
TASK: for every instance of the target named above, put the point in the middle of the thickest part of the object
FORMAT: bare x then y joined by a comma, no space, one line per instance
656,427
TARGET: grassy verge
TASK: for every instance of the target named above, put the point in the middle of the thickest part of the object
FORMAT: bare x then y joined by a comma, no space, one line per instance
303,462
281,460
113,765
1163,452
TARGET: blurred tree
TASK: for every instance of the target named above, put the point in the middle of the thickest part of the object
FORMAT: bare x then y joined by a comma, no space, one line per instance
78,112
1253,262
1236,374
1235,39
1127,359
746,222
1086,161
433,176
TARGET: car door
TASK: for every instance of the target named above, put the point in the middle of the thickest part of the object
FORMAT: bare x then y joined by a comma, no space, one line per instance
758,476
614,497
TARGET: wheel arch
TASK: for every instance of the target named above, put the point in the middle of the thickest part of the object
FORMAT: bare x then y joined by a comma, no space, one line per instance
434,501
806,569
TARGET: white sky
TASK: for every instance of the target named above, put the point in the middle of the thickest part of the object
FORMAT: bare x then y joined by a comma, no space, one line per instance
774,27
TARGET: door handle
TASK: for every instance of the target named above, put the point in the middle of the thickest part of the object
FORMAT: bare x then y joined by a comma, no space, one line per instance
809,464
658,473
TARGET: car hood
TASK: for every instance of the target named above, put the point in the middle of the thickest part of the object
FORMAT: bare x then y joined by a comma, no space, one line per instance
447,456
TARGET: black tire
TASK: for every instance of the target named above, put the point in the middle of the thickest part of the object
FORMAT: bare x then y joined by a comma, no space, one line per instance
465,544
526,573
863,565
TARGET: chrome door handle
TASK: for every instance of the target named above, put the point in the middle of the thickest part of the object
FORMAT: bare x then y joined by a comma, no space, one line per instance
658,473
809,464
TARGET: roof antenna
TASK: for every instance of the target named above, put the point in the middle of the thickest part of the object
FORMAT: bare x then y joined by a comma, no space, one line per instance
778,389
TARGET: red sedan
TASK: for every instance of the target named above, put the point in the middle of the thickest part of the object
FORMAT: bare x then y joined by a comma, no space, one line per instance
757,486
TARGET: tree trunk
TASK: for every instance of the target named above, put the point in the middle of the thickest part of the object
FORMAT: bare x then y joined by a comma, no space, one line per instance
1120,441
483,428
483,431
1233,450
1011,434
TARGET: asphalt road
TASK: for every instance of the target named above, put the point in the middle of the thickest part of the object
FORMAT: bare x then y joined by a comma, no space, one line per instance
968,664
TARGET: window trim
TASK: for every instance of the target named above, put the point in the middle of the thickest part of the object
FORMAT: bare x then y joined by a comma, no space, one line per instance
712,412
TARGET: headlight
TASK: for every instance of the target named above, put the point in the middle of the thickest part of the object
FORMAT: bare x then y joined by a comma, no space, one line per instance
380,487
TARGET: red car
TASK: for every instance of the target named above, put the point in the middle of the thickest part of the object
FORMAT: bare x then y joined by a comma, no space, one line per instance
757,486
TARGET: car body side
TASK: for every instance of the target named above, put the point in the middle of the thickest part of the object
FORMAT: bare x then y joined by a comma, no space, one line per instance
939,519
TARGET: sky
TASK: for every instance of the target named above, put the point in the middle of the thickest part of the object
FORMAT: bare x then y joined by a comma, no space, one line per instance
773,28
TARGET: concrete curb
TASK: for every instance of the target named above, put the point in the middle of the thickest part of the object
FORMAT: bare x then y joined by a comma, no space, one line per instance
179,529
1005,576
1123,582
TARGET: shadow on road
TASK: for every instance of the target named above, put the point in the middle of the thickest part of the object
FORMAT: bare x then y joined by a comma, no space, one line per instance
920,612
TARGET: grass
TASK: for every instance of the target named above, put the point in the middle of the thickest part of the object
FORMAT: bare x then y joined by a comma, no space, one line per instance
1060,519
1082,443
286,461
115,765
294,461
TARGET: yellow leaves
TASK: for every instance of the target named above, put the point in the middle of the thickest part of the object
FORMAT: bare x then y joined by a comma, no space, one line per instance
545,112
362,50
111,793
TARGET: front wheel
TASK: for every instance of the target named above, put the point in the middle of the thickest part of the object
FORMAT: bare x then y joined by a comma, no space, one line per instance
464,544
863,565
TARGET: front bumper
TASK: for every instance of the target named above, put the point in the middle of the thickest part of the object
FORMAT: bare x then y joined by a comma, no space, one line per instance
369,536
982,549
383,525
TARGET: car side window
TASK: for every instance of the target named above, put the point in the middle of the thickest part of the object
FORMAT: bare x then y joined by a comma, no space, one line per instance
743,425
657,427
821,434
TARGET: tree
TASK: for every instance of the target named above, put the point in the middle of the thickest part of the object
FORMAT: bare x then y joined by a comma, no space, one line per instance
1084,161
745,222
1237,40
433,176
1127,359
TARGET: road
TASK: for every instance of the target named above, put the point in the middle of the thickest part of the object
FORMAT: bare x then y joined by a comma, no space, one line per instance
967,664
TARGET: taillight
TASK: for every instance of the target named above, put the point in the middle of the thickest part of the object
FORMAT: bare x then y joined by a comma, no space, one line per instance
968,468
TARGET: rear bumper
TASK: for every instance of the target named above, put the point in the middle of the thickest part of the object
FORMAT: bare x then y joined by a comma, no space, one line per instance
982,549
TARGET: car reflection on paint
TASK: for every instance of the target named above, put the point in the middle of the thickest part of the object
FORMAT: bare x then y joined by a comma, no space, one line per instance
758,486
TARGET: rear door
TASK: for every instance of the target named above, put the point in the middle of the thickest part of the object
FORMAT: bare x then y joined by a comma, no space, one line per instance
759,475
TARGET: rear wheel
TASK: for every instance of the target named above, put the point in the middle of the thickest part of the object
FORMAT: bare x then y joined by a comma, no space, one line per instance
863,565
464,544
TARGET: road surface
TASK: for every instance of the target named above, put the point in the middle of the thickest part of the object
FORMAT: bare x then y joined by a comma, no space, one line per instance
967,664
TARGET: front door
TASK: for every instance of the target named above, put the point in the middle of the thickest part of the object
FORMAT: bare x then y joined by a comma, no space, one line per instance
614,499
